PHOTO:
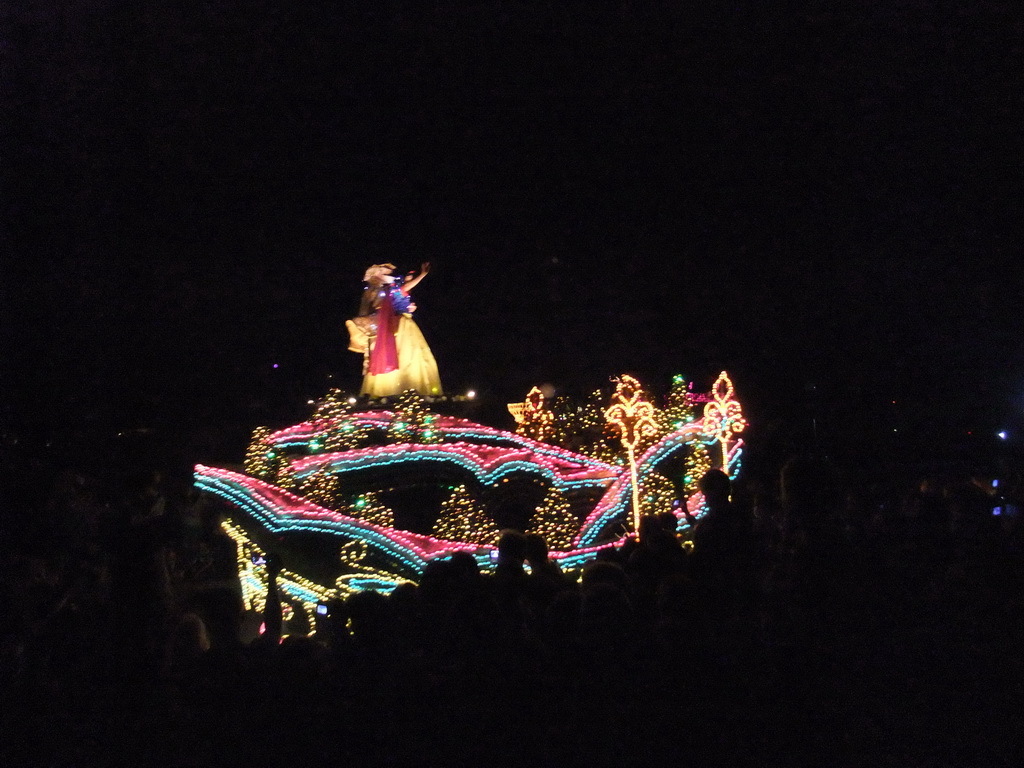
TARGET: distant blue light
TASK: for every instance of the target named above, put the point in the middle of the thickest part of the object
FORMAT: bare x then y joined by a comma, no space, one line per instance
1001,435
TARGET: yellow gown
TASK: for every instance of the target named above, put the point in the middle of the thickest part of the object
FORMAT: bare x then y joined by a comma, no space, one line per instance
416,370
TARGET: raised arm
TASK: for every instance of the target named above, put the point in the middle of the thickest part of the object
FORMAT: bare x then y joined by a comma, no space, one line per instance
410,284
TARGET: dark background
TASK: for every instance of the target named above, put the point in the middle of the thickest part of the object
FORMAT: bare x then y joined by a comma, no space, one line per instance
826,203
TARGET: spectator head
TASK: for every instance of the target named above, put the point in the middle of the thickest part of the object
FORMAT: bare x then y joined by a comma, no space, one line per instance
650,526
464,570
511,547
405,597
536,549
437,585
715,485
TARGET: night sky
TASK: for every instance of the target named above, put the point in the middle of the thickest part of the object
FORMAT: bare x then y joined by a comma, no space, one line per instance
826,203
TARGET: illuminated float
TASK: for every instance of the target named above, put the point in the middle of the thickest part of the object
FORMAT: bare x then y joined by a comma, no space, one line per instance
360,498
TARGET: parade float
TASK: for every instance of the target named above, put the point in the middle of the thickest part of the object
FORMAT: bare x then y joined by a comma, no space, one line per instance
370,489
365,493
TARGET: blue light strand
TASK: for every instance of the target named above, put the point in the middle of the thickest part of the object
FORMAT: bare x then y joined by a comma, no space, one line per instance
267,515
462,431
388,456
618,498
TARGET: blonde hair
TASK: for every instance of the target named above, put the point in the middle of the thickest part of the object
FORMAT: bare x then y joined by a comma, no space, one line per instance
379,271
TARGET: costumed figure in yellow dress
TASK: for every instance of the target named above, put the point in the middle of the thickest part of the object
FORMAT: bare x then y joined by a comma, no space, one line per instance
396,357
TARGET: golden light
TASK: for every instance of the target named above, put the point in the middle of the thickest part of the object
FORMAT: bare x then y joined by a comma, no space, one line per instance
723,416
634,419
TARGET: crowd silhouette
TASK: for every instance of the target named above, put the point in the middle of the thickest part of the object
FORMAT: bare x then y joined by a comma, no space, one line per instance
812,626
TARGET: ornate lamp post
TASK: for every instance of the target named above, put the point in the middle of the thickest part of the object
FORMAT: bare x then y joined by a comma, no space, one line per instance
633,417
723,416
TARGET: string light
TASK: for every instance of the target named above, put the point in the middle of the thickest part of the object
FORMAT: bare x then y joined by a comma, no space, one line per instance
488,464
255,583
412,422
285,473
534,418
723,417
555,521
462,519
633,418
369,508
257,462
321,487
678,410
616,501
657,494
597,464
